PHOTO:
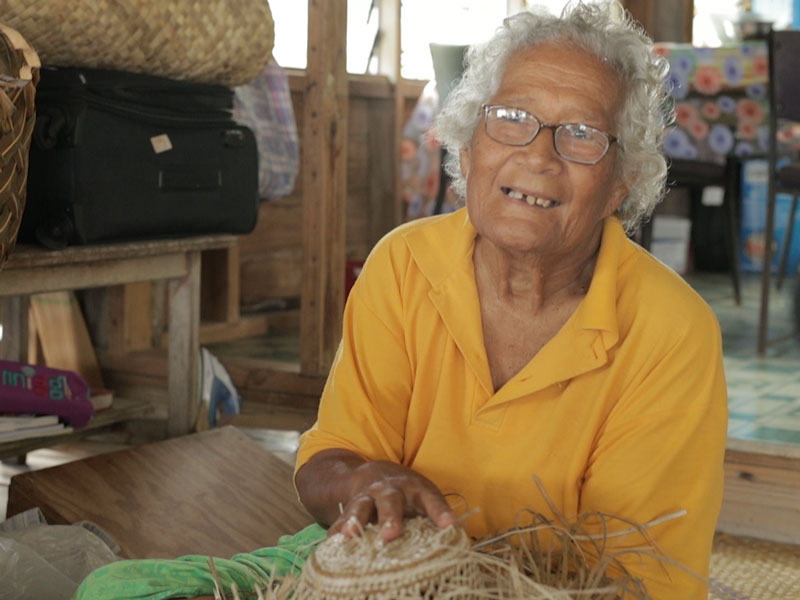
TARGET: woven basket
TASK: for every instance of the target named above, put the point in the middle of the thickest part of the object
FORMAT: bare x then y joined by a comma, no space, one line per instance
228,42
19,72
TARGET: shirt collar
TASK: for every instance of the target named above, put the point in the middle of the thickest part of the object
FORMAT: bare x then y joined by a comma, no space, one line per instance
446,246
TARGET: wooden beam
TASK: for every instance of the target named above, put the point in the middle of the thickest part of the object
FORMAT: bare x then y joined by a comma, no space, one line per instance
324,174
14,342
184,364
642,11
389,46
761,484
391,18
130,313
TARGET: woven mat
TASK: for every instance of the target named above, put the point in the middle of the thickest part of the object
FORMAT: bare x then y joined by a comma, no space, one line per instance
749,569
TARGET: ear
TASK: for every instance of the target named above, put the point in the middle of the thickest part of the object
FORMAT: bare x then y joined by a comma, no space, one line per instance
464,161
619,191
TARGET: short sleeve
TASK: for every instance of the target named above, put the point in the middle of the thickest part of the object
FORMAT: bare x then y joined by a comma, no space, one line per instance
365,401
661,451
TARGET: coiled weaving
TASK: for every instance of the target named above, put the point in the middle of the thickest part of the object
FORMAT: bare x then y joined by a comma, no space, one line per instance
424,563
19,72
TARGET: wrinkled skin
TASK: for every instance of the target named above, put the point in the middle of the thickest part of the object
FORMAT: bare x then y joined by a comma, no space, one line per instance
369,491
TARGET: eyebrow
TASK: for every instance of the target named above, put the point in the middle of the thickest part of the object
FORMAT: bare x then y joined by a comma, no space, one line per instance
590,117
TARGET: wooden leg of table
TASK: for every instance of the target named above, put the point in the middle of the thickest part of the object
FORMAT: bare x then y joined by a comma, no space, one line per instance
183,348
14,318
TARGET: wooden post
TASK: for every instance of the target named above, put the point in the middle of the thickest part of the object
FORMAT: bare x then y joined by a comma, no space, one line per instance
183,378
642,11
14,319
389,65
324,175
130,316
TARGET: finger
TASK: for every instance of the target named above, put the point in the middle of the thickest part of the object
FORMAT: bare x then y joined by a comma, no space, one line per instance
390,506
436,508
358,512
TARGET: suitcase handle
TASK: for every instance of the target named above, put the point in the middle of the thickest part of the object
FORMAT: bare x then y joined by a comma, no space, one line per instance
48,128
183,178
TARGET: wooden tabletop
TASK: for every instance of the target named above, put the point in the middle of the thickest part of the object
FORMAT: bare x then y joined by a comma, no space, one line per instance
26,256
215,493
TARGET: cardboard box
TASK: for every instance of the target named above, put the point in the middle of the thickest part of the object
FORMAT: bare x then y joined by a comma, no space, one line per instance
754,218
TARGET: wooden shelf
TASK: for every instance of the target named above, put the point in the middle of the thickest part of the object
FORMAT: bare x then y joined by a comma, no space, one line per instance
31,270
122,410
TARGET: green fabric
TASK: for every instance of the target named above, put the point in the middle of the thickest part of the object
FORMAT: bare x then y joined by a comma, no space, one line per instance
190,576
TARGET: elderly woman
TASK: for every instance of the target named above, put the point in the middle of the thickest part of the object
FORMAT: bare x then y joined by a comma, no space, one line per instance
525,334
522,336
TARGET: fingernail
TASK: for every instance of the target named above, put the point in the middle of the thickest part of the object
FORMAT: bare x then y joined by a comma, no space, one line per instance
445,520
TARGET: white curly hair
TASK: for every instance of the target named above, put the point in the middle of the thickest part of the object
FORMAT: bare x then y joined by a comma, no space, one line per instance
604,30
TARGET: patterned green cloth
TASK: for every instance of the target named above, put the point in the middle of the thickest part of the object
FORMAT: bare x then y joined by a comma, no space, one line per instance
190,576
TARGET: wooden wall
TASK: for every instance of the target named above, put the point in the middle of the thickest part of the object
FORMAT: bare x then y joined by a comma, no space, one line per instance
271,256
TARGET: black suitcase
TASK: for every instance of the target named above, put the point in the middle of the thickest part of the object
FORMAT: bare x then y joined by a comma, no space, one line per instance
122,156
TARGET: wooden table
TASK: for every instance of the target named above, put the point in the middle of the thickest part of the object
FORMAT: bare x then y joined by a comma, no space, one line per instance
215,493
33,269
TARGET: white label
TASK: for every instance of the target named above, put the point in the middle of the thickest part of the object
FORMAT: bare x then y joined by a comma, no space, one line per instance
713,195
161,143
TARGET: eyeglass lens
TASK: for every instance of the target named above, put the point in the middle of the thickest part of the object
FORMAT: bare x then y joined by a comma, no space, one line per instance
573,141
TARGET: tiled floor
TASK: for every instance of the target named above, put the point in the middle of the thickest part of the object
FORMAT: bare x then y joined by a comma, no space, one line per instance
763,393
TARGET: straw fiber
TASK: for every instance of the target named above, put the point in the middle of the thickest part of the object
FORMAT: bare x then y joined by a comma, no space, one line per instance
423,564
749,569
18,76
227,42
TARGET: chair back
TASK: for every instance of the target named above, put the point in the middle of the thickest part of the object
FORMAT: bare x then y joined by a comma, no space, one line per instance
784,55
448,66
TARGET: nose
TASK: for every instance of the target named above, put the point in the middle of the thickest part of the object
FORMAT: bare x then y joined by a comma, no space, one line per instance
540,154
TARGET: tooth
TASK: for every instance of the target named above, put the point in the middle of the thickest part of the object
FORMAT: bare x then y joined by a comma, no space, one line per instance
543,203
530,200
515,194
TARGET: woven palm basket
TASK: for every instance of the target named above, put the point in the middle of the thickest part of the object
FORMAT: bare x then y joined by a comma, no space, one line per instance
19,72
422,564
226,42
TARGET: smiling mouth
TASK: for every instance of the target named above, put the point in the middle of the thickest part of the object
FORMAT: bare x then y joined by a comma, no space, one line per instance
531,200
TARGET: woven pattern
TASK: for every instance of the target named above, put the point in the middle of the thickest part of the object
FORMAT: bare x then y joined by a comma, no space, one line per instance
422,564
745,569
18,76
226,42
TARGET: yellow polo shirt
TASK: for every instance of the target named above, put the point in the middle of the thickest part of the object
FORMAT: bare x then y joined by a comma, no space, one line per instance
624,411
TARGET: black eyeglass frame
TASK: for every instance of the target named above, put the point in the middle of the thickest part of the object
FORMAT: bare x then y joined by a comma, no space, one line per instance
542,125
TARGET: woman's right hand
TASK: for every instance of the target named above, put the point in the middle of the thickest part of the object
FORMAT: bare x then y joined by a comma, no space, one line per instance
386,493
369,491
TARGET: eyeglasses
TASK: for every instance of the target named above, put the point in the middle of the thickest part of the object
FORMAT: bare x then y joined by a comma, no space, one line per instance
575,142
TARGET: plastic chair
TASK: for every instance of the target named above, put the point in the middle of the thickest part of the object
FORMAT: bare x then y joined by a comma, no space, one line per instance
448,66
696,176
784,93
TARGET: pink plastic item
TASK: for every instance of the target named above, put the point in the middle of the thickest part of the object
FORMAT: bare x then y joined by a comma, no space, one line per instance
34,389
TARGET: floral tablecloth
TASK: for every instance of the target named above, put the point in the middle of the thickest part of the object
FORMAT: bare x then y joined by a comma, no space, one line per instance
721,103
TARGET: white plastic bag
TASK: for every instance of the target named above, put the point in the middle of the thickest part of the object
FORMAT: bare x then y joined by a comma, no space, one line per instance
48,562
265,106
